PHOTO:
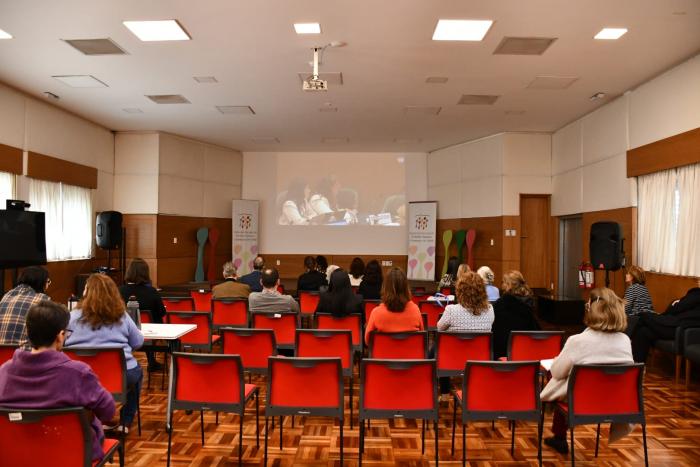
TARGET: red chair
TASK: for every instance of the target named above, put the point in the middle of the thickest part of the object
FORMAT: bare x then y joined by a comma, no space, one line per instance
328,343
202,300
623,400
109,364
210,382
499,391
7,351
200,338
433,309
308,301
534,345
398,345
352,322
284,326
446,290
369,306
253,345
453,349
178,303
419,297
60,437
280,289
398,389
229,312
418,290
288,391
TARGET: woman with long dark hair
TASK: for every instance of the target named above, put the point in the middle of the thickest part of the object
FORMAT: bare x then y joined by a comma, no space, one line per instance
339,300
371,285
357,270
296,209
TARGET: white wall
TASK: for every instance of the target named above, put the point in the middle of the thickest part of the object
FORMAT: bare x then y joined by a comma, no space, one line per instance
136,173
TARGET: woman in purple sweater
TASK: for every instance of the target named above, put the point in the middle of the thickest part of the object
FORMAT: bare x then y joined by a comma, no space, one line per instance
45,378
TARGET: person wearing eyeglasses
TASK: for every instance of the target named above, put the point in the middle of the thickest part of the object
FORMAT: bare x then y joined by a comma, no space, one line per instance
602,342
46,378
15,304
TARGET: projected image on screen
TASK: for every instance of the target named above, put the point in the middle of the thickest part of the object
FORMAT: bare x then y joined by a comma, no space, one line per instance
329,189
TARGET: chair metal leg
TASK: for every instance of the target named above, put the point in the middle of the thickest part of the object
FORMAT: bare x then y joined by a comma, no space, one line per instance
341,441
597,440
678,365
512,438
644,438
122,451
539,438
280,432
464,444
201,424
422,438
265,455
437,440
493,424
170,438
687,373
217,418
572,447
292,421
257,420
362,441
240,435
454,424
351,401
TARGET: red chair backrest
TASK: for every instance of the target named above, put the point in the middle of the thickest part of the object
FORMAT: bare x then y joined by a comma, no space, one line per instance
398,385
606,389
283,324
308,301
534,345
291,381
202,300
62,435
230,312
418,297
213,378
369,306
145,316
201,336
433,309
500,387
446,291
280,289
455,348
108,363
178,303
418,290
352,322
325,343
6,352
253,345
398,345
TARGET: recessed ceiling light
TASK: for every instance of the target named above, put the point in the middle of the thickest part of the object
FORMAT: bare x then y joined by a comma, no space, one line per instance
461,29
307,28
477,99
133,110
80,81
552,82
610,33
5,35
235,109
165,30
436,79
205,79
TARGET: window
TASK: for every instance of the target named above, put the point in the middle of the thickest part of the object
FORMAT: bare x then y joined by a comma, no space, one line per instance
669,221
7,188
68,218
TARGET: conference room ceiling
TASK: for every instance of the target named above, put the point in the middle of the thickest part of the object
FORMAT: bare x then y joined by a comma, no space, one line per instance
384,102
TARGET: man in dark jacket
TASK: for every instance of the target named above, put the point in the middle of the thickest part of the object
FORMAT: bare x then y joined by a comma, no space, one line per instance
252,279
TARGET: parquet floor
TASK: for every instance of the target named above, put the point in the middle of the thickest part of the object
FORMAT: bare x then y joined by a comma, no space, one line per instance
673,428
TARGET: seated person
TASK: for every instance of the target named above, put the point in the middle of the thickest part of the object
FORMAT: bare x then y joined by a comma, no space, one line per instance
348,205
324,200
339,300
637,298
371,286
296,209
450,277
270,300
491,290
602,342
252,279
312,279
472,312
46,378
514,311
357,270
230,287
31,285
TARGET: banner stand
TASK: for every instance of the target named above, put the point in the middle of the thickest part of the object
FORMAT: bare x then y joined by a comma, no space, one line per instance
422,232
244,223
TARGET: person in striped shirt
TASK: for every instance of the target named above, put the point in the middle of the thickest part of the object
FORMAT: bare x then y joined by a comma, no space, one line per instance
637,298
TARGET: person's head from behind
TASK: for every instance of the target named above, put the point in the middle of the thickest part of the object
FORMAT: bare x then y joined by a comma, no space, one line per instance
258,263
46,325
229,270
395,291
138,272
270,278
339,282
101,304
298,191
514,284
605,311
321,263
471,292
486,274
463,269
35,277
357,267
309,263
635,275
373,273
452,266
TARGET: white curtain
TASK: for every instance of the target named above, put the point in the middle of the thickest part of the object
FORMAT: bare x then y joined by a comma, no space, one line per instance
688,251
7,188
68,211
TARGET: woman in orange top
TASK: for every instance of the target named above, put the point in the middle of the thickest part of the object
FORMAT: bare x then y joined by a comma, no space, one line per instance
397,313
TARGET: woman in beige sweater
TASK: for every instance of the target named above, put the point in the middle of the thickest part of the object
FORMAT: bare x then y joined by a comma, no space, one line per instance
603,341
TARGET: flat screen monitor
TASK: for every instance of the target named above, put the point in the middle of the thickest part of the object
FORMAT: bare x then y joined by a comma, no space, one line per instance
22,238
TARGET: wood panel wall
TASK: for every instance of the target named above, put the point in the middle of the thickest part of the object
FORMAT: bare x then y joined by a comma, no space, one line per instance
53,169
10,160
290,266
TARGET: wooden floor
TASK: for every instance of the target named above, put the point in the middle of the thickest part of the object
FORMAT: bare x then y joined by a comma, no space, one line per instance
673,418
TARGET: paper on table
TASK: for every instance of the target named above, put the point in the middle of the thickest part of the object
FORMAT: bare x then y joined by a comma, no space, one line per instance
547,364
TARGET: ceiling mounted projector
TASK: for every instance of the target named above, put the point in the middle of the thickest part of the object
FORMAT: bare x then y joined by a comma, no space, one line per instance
314,82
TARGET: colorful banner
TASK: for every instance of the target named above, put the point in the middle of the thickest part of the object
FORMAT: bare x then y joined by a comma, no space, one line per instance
245,234
422,228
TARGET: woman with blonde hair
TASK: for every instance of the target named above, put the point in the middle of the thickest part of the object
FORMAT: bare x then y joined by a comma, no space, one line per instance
602,342
514,311
101,320
491,290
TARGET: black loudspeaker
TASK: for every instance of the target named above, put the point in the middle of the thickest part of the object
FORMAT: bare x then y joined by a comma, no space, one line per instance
108,230
606,246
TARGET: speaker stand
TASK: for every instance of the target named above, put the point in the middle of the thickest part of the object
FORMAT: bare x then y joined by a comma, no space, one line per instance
607,279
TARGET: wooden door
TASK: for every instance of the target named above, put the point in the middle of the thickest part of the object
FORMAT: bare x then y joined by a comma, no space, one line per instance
534,240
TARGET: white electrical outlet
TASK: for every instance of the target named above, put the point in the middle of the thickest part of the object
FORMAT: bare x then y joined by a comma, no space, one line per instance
492,242
174,240
389,263
278,262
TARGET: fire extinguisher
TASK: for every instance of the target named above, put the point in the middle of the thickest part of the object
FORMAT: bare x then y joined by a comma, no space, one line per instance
585,275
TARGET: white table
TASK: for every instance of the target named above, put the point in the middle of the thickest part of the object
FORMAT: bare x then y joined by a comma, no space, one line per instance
166,332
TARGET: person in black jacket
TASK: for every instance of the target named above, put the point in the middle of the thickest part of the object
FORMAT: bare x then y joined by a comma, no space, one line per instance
371,286
340,300
312,279
138,284
514,311
252,279
652,327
